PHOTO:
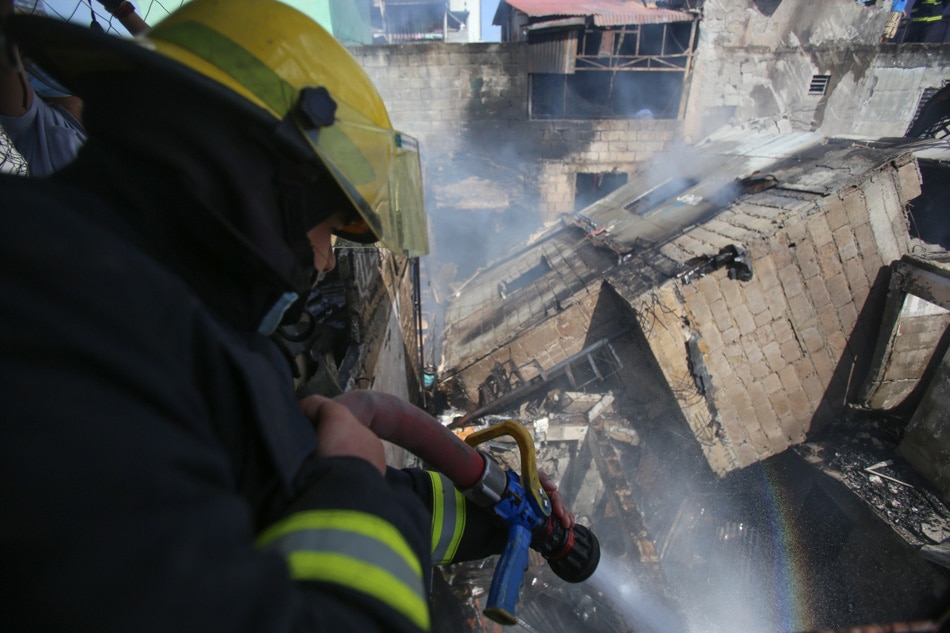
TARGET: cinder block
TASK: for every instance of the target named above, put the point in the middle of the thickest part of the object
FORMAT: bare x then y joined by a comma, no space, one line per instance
793,425
847,247
857,279
837,344
780,251
802,312
762,319
714,240
814,388
783,330
754,299
839,290
828,319
856,207
771,383
835,213
764,269
908,181
743,374
697,306
761,211
819,230
813,341
759,370
731,292
791,280
796,233
754,224
743,319
849,318
776,300
709,287
824,365
817,292
746,454
801,405
807,259
730,336
791,351
773,355
763,409
752,349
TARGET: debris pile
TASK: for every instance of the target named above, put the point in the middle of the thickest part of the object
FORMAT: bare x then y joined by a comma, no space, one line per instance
861,454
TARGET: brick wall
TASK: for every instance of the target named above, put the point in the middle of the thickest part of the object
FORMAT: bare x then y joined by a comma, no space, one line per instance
783,351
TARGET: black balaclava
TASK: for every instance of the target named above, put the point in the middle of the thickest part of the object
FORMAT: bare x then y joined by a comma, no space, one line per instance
205,190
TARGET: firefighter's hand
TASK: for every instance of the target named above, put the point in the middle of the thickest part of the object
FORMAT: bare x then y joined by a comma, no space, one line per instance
557,503
340,434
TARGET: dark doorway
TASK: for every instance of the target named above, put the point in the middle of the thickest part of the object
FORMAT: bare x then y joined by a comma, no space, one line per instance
589,188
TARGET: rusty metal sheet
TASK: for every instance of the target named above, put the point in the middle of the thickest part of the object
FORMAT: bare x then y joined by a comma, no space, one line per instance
553,54
604,12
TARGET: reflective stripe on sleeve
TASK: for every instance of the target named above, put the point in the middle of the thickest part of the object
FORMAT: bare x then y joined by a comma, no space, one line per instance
356,550
448,518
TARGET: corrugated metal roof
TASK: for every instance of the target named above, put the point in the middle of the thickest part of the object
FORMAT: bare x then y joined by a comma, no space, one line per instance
604,12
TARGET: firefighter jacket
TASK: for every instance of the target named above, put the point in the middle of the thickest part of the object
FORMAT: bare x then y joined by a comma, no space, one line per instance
155,472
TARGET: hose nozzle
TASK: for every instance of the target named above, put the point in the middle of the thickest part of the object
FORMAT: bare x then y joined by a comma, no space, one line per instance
573,554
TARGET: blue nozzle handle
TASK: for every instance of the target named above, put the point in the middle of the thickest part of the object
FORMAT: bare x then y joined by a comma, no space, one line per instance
509,574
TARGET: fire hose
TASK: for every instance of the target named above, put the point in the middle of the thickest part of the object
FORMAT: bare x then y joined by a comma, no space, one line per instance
519,502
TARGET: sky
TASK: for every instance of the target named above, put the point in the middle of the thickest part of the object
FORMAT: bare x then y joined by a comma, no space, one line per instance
489,33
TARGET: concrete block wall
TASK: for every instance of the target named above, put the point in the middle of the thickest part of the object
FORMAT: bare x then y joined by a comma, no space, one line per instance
547,344
754,70
780,352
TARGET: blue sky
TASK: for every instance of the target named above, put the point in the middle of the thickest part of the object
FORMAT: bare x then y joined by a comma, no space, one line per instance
489,33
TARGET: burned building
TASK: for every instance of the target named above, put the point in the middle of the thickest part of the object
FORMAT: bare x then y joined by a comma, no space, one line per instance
700,314
731,310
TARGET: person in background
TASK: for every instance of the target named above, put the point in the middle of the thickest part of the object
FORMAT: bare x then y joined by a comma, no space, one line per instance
156,470
41,117
124,12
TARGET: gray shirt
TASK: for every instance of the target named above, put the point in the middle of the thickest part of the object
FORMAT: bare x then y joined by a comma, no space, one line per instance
46,135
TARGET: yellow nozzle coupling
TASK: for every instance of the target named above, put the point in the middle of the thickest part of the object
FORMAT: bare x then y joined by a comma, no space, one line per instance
529,463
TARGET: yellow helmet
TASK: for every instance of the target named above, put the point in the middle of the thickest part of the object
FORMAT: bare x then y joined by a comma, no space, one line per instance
285,64
277,58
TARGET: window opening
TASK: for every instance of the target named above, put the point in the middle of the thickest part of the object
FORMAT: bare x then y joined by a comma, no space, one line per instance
525,279
637,71
924,98
589,188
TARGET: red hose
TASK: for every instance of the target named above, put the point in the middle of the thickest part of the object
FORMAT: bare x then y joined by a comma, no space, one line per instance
408,426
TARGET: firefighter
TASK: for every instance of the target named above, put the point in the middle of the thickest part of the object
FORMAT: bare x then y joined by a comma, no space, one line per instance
927,23
156,473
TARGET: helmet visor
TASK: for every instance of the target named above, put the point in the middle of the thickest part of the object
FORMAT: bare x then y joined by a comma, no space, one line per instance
380,172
